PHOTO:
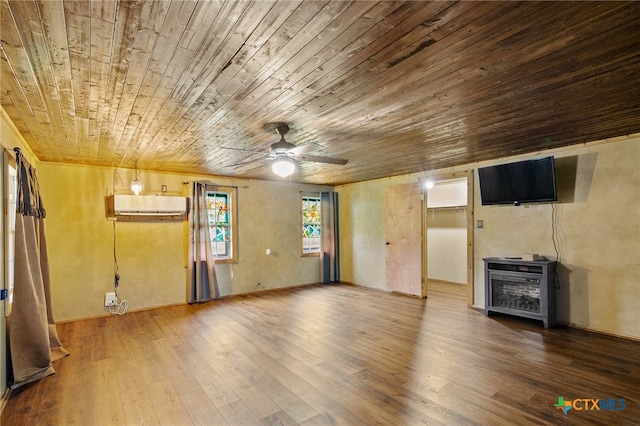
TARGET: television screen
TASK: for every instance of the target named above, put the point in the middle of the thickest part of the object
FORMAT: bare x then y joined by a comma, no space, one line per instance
527,181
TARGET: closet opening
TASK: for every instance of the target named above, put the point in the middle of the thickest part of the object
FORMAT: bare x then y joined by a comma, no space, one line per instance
448,234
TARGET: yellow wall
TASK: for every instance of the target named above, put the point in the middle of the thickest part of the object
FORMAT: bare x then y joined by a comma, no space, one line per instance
597,226
10,138
151,258
597,223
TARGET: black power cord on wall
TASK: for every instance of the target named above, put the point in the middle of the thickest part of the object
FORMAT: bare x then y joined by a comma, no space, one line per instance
121,306
555,242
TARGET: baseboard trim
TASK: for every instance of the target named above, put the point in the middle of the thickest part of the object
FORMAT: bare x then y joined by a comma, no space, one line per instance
266,289
603,332
435,280
580,327
246,294
107,314
481,309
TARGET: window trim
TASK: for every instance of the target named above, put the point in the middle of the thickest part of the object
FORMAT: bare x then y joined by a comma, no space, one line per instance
304,195
233,217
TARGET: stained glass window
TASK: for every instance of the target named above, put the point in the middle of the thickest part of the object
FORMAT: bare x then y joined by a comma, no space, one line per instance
311,225
219,209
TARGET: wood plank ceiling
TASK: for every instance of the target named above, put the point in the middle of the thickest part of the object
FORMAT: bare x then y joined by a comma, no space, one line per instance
395,87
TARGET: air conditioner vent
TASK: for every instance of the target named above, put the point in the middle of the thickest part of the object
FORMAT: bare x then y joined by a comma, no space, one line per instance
146,207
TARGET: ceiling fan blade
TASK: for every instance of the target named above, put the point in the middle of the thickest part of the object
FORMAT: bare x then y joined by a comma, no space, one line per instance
242,163
319,159
303,149
241,149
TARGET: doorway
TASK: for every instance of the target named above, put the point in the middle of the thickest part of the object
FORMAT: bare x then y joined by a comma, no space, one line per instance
448,231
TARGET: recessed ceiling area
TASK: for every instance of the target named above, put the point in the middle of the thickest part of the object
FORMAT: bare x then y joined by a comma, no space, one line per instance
394,87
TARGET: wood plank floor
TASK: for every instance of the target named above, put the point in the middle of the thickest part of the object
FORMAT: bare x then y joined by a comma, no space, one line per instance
335,354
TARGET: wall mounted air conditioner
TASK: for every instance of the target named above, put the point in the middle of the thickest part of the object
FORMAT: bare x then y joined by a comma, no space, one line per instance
146,207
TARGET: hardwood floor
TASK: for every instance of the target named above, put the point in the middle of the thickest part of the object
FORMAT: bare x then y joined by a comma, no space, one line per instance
333,354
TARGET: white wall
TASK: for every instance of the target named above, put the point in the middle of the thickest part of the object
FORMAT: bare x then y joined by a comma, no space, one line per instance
447,245
446,220
447,193
597,224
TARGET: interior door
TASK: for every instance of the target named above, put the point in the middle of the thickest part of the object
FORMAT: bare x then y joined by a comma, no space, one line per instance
403,239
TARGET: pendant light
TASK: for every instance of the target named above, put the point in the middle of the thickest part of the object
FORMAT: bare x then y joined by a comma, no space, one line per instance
136,185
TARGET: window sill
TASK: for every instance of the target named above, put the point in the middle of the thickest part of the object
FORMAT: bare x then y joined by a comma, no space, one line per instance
315,254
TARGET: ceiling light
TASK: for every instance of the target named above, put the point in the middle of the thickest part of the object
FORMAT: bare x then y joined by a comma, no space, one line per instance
283,167
136,185
428,184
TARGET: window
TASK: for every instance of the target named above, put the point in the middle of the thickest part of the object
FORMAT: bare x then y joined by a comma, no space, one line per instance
220,207
311,225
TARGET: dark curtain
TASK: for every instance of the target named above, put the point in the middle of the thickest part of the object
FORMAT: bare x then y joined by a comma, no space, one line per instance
33,338
202,284
329,248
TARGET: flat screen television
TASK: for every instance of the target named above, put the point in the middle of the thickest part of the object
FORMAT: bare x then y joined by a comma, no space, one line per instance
529,181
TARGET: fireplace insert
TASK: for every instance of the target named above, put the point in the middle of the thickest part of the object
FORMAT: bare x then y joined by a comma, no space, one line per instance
521,288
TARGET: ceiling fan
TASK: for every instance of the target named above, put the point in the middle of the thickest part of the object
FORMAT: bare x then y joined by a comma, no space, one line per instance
285,154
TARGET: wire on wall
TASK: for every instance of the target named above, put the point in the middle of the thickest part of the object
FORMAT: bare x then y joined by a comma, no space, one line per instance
554,239
116,174
553,231
121,306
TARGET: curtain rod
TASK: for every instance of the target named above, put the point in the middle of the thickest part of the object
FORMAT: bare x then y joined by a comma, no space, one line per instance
210,183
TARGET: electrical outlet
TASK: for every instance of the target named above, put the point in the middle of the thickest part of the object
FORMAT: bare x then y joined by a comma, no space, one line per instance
110,299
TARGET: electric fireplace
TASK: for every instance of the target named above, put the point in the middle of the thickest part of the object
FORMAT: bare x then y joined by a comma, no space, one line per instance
521,288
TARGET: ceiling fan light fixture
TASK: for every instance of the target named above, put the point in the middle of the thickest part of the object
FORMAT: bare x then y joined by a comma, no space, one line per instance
283,167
